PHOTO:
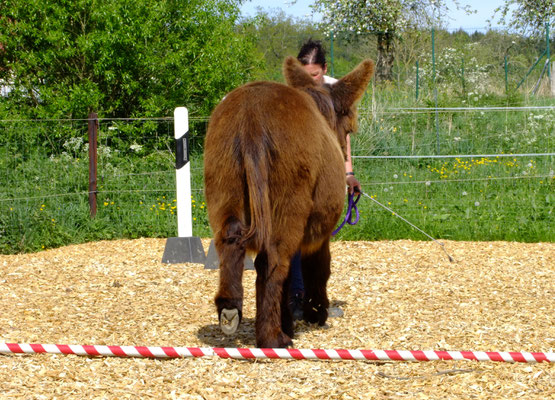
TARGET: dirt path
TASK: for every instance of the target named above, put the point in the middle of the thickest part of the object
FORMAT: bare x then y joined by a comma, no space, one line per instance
399,295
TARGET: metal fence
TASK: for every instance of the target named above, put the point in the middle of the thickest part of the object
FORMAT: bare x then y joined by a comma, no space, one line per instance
476,169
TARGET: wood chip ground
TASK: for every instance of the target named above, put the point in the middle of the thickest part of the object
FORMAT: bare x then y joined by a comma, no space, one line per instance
401,295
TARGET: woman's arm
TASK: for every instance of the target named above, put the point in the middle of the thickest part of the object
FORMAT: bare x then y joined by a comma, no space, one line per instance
352,182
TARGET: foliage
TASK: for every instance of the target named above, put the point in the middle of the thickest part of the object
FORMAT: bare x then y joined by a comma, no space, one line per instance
120,59
43,164
43,201
277,36
527,16
385,19
362,16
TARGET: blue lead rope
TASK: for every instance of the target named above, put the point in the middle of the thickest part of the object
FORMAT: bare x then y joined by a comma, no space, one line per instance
349,214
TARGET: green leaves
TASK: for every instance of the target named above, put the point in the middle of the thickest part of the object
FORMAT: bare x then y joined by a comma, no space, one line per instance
527,16
121,59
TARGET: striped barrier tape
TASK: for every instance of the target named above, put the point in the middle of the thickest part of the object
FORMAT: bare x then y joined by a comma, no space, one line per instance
286,354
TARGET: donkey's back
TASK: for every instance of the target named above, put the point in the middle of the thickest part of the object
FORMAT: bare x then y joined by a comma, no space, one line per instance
269,153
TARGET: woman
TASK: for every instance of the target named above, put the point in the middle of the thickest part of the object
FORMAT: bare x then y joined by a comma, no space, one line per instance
313,57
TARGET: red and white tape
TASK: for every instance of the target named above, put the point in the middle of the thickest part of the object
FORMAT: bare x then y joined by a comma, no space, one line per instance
286,354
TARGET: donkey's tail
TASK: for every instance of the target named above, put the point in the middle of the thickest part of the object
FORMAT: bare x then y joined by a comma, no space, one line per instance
257,166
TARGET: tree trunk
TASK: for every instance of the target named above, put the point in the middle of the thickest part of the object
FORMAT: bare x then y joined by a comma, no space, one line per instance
386,55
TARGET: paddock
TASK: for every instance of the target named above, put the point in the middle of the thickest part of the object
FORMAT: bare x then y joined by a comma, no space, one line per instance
402,295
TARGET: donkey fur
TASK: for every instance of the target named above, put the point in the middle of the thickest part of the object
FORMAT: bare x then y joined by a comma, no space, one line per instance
275,183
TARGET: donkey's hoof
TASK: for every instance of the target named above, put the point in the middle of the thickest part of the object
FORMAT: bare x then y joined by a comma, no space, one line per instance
229,321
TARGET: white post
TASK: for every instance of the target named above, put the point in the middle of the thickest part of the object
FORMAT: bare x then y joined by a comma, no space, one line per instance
185,247
552,78
183,173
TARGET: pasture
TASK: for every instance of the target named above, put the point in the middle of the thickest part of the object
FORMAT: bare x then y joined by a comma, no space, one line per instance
43,200
402,295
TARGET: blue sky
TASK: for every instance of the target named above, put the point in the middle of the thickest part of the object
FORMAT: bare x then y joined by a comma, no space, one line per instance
458,19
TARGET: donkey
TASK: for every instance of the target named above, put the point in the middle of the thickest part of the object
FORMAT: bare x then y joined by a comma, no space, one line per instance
275,183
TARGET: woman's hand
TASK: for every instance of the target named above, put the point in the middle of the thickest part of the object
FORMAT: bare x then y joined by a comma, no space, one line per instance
353,184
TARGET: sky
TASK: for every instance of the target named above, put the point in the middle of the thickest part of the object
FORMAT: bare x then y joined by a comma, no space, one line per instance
457,19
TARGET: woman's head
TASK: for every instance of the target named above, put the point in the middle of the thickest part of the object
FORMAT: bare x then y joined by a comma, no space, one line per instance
313,57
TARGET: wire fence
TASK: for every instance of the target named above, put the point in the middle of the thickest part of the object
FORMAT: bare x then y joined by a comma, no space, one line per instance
492,178
454,62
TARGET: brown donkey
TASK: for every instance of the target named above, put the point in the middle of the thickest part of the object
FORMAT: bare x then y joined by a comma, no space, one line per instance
275,183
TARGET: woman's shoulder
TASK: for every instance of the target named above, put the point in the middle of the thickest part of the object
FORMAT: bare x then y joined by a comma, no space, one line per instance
329,79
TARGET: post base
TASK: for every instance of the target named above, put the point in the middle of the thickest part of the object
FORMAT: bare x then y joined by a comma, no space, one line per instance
184,250
213,262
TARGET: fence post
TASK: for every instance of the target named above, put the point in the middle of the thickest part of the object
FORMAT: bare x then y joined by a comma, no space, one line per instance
549,65
547,49
185,247
93,161
417,79
462,76
506,76
183,173
435,88
331,53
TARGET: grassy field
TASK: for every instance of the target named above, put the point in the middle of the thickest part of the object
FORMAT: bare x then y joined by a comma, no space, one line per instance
492,196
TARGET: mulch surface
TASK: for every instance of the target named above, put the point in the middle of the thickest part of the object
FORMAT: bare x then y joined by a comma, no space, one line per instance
402,295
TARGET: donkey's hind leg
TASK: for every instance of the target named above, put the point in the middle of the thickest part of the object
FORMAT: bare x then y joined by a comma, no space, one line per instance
231,252
316,272
273,329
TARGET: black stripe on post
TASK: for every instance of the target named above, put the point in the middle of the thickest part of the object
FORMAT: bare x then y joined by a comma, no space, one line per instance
182,151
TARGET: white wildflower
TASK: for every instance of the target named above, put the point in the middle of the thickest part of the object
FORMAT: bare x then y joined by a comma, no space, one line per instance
136,147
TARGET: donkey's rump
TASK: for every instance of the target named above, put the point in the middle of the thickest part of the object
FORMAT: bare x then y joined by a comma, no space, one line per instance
278,131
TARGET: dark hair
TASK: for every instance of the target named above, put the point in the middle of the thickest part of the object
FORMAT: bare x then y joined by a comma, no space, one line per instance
312,53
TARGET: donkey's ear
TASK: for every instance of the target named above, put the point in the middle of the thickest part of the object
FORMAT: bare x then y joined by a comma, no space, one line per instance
349,89
295,74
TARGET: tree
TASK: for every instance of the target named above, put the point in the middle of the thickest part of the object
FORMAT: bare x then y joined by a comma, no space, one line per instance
277,36
383,18
527,16
120,58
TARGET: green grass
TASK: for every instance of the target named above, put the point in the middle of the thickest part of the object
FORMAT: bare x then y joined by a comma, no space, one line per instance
44,200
